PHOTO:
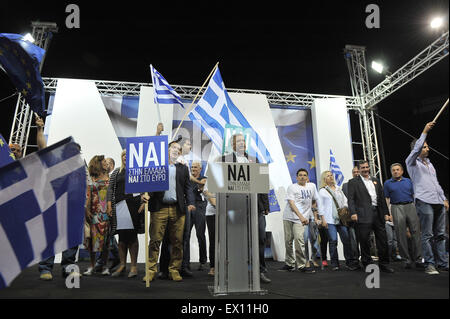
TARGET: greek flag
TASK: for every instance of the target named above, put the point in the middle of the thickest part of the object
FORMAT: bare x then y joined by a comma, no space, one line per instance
336,170
164,93
41,207
215,109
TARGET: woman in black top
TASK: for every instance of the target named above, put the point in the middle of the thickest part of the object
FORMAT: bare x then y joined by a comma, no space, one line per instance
126,221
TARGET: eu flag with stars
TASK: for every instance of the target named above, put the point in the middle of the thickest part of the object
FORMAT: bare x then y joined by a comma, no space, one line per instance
21,60
6,156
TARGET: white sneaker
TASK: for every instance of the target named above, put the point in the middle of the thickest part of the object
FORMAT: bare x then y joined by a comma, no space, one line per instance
89,271
430,270
106,272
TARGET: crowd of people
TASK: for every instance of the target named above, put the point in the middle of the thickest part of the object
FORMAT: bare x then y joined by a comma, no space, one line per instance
402,220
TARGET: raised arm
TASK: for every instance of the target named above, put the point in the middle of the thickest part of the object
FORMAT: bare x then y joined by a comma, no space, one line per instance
417,149
40,138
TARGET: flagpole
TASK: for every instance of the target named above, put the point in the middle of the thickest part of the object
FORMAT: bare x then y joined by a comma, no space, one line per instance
190,106
441,110
155,98
147,278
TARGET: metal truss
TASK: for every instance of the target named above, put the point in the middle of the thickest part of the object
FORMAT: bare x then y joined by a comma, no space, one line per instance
20,131
362,100
434,53
359,79
286,99
368,99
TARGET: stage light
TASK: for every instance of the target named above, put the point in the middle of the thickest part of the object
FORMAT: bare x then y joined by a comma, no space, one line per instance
28,37
377,67
436,22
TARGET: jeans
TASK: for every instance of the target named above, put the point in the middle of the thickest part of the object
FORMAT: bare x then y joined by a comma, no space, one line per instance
349,256
310,235
392,240
432,222
68,258
353,240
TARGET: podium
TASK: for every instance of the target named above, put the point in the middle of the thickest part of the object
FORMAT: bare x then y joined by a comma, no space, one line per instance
237,252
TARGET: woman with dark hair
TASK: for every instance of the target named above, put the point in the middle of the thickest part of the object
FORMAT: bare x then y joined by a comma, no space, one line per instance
96,212
126,221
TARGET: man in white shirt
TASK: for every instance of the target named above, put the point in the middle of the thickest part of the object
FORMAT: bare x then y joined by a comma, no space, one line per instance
296,216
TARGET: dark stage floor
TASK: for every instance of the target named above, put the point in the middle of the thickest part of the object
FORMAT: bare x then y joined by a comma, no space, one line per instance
326,284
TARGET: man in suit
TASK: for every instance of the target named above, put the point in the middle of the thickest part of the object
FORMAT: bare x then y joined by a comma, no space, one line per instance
351,226
369,210
239,155
355,173
168,212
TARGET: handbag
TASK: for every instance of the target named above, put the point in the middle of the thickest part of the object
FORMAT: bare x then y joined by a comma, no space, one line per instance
343,212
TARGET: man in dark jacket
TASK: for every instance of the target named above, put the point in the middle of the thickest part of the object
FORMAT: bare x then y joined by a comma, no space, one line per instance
168,209
369,210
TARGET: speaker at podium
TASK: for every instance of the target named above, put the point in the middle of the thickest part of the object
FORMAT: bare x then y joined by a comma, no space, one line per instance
237,186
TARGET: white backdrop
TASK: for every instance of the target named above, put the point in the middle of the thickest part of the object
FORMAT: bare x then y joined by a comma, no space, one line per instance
78,111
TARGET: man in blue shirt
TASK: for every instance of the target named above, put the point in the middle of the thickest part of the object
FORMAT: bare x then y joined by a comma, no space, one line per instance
168,210
431,203
399,193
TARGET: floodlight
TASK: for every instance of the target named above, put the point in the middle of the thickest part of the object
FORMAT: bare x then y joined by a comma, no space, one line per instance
28,37
377,67
436,22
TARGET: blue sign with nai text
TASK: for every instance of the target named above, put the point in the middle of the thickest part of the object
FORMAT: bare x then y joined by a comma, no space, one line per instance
147,167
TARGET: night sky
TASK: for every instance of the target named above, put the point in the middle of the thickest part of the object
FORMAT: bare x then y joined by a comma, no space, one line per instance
271,46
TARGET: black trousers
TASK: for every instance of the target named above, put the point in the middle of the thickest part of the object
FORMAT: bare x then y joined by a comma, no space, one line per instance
262,240
211,223
379,229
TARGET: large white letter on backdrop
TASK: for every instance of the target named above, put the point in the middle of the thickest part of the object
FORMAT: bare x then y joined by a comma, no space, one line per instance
256,110
332,131
78,111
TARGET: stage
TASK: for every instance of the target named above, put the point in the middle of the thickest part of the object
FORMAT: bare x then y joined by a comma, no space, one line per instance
326,284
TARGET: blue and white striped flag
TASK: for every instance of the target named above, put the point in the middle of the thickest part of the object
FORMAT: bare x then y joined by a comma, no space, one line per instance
164,93
41,207
215,109
336,170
